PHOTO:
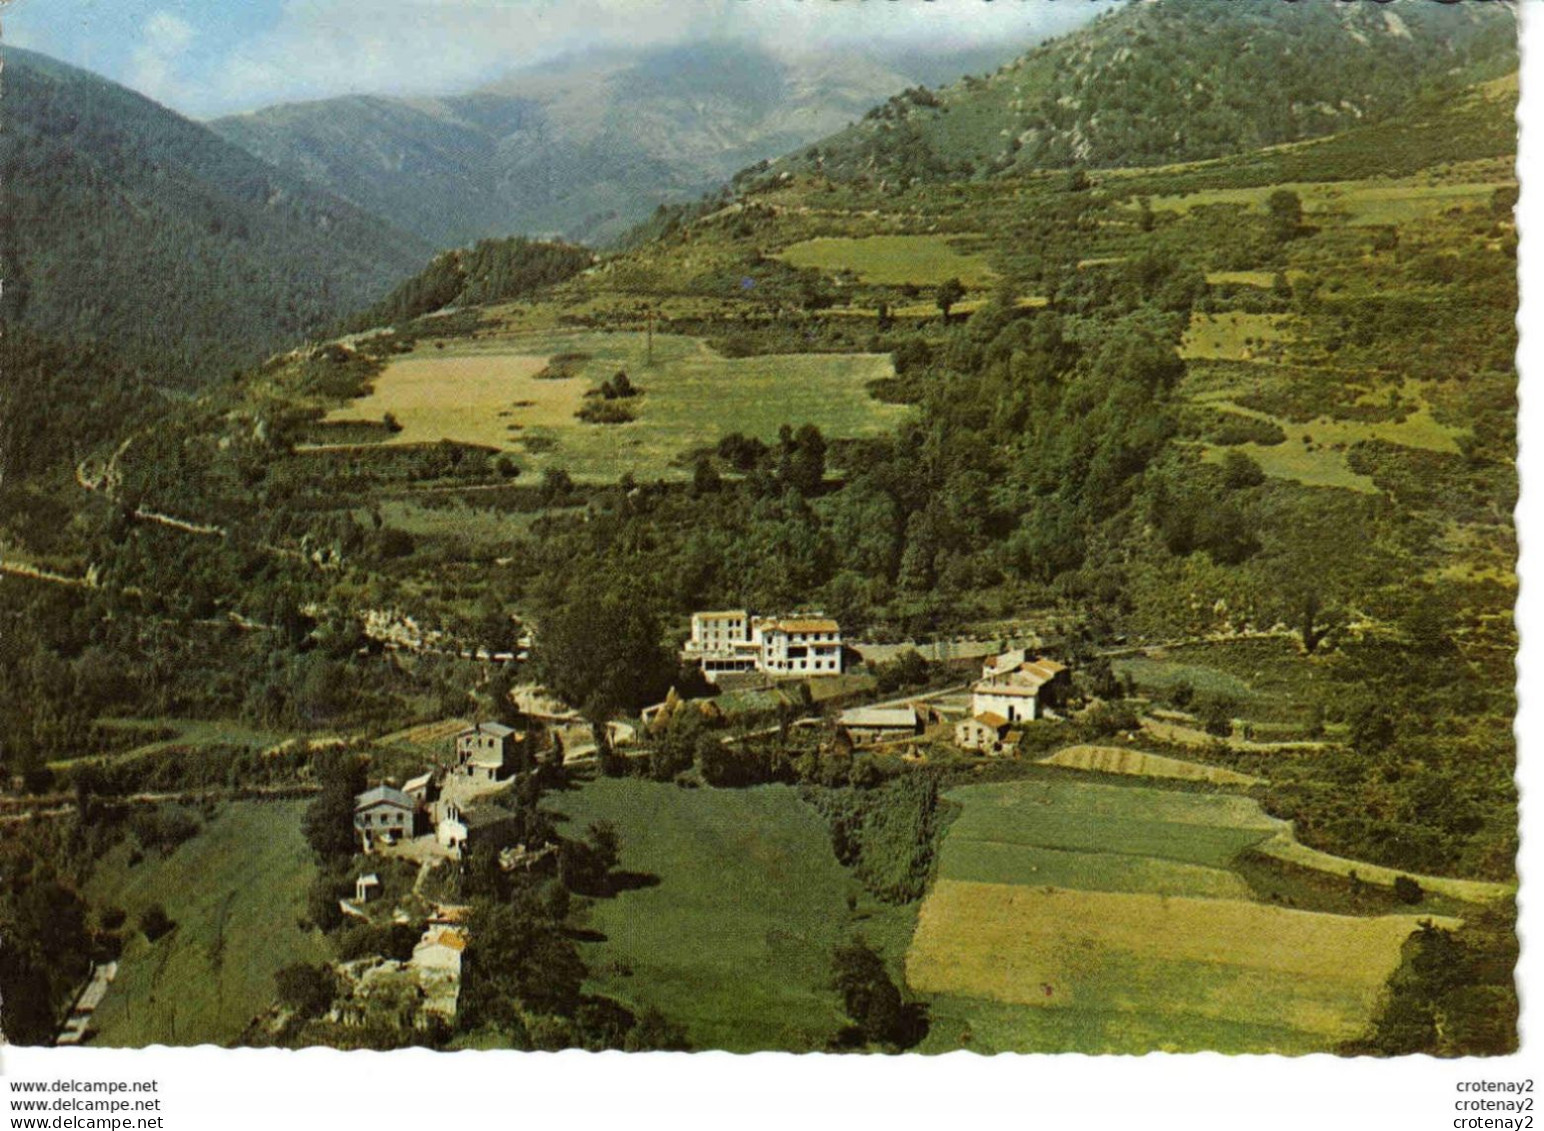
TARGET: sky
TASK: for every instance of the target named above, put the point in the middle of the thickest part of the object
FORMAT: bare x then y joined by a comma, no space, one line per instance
210,57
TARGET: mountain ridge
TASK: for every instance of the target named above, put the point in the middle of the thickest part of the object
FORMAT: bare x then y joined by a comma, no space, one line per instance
1107,95
128,225
581,147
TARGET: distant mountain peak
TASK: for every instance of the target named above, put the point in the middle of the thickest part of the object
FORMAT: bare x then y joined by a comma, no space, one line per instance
583,146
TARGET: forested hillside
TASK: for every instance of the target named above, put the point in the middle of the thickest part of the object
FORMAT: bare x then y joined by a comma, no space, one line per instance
488,272
1158,83
129,228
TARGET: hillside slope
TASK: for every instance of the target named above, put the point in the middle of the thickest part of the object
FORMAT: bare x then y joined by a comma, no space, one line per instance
582,147
128,226
1176,80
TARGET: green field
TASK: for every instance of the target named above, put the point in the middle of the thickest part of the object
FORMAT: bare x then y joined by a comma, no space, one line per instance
236,892
1111,821
734,941
1234,336
490,394
1320,459
1360,202
892,260
1072,915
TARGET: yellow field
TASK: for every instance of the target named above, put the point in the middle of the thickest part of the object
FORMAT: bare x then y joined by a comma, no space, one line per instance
1262,279
426,733
1113,760
1226,960
892,260
466,397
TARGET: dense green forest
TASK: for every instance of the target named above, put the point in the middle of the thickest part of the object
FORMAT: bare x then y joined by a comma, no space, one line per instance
129,228
490,271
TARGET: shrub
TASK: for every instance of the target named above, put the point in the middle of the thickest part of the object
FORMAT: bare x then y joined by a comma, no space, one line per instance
306,989
1407,890
155,922
1106,720
597,411
1217,717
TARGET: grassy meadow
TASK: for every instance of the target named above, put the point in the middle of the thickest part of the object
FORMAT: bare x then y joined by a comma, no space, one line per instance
1374,201
734,940
236,892
919,260
491,395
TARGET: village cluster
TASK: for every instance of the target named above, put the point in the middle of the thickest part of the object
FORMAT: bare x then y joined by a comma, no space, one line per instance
448,812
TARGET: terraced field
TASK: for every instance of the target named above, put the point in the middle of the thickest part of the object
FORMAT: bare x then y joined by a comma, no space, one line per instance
494,395
1398,201
1220,960
892,260
1137,763
1074,915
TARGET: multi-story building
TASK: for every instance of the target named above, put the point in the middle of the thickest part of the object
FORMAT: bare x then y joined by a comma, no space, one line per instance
1015,688
736,641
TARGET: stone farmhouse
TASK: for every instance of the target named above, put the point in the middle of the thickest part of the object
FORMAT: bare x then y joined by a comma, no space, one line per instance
461,825
1015,688
986,733
383,816
736,641
867,726
485,752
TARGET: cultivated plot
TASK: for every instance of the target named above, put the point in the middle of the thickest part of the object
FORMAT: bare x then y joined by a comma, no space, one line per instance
1080,915
1213,959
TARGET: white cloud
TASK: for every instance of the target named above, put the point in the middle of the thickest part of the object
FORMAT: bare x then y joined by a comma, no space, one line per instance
153,62
320,48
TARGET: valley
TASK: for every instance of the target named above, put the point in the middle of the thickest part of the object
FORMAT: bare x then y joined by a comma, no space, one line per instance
1210,447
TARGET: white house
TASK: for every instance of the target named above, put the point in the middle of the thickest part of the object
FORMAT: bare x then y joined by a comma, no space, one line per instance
736,641
1017,689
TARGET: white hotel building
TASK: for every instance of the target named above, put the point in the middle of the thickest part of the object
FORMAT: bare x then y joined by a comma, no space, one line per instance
736,641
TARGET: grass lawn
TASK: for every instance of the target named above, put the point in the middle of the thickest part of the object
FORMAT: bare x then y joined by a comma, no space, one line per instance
489,394
235,892
1076,815
734,941
1314,453
892,260
1312,465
